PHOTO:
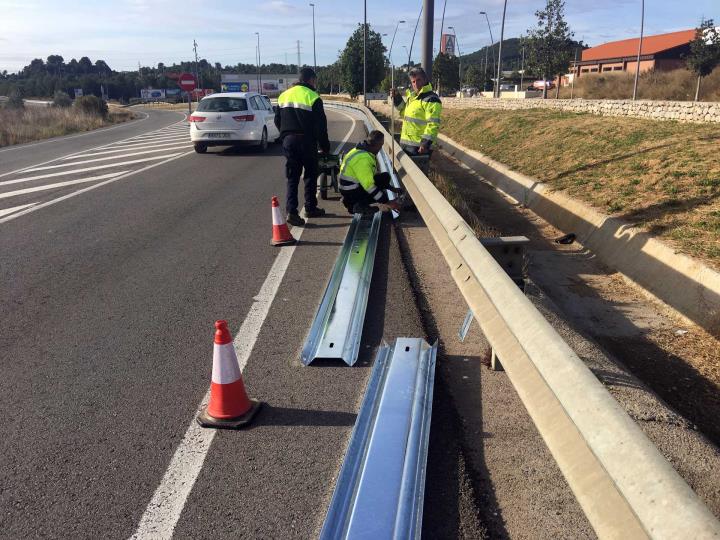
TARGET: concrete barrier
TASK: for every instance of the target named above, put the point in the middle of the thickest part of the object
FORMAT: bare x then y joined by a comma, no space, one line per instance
684,283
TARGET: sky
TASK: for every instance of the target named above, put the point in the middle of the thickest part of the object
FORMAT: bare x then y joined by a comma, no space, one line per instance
125,32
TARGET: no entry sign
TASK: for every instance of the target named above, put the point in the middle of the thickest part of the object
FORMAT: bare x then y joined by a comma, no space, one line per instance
187,82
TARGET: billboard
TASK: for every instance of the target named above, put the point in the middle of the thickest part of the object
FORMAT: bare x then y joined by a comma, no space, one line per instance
447,45
152,93
272,84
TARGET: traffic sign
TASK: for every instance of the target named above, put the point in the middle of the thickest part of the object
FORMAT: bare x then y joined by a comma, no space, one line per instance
187,82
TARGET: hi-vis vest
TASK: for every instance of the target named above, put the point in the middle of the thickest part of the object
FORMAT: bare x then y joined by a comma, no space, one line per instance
358,171
421,116
298,97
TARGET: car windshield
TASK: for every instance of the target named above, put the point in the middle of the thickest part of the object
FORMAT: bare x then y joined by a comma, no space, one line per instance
223,104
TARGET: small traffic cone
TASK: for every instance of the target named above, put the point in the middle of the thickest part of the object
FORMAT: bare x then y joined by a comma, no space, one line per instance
281,233
229,406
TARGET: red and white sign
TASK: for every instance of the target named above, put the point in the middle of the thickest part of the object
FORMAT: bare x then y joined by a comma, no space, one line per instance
187,82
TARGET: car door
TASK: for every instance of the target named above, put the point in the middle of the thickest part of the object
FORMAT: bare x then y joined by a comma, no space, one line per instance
273,131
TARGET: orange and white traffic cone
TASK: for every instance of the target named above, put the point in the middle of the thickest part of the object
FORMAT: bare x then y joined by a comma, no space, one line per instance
229,406
281,233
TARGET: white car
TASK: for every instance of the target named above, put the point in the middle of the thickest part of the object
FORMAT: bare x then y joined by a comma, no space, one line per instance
233,119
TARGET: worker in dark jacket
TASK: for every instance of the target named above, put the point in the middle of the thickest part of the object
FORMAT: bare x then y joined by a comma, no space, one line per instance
300,117
360,184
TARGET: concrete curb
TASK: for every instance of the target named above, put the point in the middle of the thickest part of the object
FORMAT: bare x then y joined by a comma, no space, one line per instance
685,284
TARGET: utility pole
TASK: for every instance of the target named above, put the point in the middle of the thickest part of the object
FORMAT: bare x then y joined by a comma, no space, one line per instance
298,50
314,53
412,42
577,70
197,69
499,67
637,65
258,65
522,69
492,44
426,47
365,54
457,44
442,25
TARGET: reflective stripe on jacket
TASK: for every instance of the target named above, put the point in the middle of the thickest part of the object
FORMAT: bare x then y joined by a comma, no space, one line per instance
358,171
421,120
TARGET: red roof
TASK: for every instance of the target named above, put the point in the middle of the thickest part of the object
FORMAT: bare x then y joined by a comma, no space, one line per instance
629,47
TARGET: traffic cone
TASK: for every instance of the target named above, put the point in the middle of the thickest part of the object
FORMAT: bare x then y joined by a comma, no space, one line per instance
281,233
229,406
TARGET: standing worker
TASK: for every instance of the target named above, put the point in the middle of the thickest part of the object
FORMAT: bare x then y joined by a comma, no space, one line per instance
300,117
421,110
360,185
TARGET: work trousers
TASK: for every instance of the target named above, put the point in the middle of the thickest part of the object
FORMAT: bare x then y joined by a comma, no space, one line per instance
358,201
300,154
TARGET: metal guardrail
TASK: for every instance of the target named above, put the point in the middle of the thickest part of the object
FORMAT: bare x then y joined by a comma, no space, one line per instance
380,490
337,328
625,486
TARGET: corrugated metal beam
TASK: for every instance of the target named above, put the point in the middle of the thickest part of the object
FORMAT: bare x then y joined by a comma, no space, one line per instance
337,328
380,490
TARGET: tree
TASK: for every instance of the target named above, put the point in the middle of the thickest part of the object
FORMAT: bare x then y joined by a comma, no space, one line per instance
704,52
474,77
61,99
549,46
446,76
351,61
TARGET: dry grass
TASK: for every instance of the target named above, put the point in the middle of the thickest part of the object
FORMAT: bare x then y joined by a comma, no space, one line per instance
663,176
37,123
677,85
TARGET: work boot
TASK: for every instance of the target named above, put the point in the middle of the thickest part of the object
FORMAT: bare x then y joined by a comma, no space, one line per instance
295,219
314,212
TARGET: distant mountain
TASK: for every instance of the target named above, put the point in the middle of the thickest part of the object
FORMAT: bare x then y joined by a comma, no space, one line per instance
511,54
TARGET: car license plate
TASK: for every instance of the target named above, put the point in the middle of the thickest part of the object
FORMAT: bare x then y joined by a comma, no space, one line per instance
218,135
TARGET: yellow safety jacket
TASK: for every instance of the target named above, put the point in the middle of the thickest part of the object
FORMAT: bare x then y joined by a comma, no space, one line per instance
358,172
421,120
300,110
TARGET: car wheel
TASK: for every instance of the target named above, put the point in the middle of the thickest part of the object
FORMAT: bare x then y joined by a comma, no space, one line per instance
263,141
200,148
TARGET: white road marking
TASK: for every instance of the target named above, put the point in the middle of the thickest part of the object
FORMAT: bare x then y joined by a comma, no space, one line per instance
17,171
158,148
59,185
6,211
149,144
74,163
86,169
156,138
94,186
163,511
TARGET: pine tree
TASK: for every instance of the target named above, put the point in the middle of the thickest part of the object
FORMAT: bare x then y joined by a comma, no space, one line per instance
351,61
704,54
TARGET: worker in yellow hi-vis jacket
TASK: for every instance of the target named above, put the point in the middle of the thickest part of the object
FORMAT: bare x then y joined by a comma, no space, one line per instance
421,109
360,184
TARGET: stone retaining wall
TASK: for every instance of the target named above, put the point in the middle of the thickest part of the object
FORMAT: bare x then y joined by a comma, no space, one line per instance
682,111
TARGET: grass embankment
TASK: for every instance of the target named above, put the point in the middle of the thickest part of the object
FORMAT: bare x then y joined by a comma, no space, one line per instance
37,123
663,176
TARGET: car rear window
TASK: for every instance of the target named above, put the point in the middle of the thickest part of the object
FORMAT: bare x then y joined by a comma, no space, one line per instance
222,104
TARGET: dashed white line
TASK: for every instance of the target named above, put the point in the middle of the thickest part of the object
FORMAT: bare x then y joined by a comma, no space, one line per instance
59,185
157,147
74,163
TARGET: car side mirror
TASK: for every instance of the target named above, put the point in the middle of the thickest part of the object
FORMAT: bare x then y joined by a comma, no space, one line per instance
275,108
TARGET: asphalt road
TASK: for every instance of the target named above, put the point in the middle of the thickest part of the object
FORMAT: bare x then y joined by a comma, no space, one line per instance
109,296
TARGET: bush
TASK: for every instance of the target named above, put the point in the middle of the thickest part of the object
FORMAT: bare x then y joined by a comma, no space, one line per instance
15,101
91,105
61,99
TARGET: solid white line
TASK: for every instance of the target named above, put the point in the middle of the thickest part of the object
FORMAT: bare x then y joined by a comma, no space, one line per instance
86,169
163,511
59,185
118,150
94,186
168,501
6,211
16,171
149,144
73,163
151,140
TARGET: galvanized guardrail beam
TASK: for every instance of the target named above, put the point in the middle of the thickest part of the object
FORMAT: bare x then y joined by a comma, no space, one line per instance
380,490
625,486
337,328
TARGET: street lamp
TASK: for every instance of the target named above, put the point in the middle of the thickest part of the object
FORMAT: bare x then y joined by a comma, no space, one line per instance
637,65
492,43
458,55
499,66
258,65
408,52
314,55
393,40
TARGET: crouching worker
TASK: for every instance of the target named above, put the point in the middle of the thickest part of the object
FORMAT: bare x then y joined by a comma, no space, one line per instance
360,185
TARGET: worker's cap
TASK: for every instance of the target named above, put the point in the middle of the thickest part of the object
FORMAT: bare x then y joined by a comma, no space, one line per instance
375,137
